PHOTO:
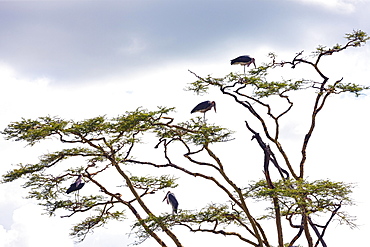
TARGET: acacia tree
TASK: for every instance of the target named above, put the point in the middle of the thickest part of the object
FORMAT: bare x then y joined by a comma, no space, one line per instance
105,148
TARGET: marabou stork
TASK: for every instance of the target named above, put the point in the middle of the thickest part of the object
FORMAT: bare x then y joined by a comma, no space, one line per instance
76,185
244,60
171,199
204,107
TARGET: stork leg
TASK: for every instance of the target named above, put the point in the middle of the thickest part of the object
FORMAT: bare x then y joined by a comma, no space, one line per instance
204,117
77,197
244,70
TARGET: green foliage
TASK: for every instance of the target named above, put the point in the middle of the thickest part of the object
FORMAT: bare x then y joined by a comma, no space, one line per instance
348,87
46,161
202,85
81,229
262,87
33,131
154,183
204,134
256,78
297,197
20,171
266,89
212,215
195,131
355,39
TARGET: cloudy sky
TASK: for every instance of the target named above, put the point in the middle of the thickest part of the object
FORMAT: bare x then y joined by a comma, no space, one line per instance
80,59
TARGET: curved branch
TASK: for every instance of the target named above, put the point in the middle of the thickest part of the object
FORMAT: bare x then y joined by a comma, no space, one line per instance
117,196
219,232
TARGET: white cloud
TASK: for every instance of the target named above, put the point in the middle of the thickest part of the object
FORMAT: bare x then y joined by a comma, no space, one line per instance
30,228
344,6
7,237
133,45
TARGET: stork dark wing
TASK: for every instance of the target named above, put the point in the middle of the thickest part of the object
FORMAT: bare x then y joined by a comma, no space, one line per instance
174,202
202,107
243,60
76,185
80,186
72,188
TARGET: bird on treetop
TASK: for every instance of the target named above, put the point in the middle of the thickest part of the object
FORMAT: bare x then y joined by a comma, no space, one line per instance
244,60
204,107
171,199
77,185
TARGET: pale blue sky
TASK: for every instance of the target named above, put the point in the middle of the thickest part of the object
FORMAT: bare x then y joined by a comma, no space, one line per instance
79,40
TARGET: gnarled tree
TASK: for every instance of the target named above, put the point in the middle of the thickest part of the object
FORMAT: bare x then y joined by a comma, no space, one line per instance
105,151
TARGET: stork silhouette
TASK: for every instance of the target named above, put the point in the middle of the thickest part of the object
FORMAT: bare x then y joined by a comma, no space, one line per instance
204,107
77,185
171,199
244,60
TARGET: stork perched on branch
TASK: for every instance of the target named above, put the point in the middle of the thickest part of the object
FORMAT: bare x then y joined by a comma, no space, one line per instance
243,60
171,199
204,107
77,185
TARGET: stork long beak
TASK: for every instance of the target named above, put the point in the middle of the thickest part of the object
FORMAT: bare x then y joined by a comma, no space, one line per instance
214,105
254,64
165,196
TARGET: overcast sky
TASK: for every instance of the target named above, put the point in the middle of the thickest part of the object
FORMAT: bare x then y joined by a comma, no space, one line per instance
79,59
